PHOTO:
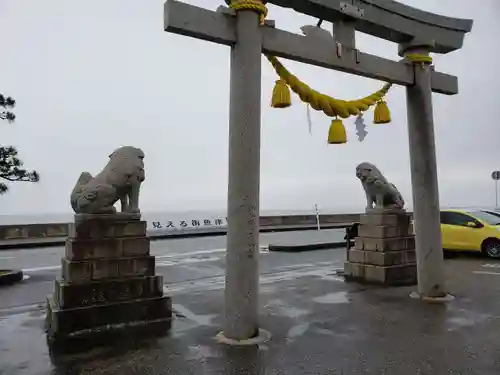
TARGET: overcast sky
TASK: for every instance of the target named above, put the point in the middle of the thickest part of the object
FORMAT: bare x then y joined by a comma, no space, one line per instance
90,76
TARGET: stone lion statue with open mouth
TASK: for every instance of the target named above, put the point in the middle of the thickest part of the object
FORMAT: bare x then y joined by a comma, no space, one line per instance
378,190
120,179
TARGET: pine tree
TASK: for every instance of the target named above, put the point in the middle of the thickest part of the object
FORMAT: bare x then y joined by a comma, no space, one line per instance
7,103
10,165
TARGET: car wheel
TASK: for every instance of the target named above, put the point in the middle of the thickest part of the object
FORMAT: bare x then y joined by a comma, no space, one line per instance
492,248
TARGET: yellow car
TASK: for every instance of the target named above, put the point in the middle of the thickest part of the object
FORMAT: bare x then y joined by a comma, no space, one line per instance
474,230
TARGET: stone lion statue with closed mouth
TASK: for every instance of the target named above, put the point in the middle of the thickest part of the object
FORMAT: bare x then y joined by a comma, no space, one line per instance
379,191
120,179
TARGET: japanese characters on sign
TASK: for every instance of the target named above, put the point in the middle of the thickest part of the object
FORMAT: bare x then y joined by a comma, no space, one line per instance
194,223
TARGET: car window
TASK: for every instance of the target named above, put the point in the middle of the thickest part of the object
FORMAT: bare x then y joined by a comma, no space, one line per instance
488,217
456,218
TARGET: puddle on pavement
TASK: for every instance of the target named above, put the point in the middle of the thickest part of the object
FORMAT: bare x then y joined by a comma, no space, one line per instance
283,309
462,318
201,352
332,298
202,320
297,331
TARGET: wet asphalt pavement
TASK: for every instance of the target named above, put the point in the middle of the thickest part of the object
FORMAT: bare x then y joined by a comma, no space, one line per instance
319,323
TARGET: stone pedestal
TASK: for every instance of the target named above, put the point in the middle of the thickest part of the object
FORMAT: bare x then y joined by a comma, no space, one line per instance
108,283
384,251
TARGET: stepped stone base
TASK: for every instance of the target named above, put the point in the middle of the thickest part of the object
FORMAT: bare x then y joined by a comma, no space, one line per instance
384,252
108,283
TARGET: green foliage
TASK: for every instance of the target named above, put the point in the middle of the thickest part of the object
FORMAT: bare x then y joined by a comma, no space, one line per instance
7,103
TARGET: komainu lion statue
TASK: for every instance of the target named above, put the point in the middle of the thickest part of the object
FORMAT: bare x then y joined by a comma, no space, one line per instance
378,190
120,180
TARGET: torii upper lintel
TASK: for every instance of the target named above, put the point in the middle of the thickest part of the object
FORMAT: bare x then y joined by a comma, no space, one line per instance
388,19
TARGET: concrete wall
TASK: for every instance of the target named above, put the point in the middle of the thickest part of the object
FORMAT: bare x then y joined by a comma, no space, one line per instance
57,230
26,231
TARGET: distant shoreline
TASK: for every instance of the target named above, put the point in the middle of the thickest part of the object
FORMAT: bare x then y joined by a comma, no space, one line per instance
178,216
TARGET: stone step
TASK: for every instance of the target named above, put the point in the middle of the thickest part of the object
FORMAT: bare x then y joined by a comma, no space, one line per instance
386,275
68,295
80,320
100,229
77,249
385,244
101,269
376,258
386,219
381,231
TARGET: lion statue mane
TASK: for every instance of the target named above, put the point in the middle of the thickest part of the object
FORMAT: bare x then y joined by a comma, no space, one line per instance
379,191
120,180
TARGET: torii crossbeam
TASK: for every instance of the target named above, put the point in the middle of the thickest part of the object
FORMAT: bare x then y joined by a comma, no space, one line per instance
415,31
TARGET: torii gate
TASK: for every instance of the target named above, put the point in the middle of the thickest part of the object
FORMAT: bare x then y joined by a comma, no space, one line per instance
417,33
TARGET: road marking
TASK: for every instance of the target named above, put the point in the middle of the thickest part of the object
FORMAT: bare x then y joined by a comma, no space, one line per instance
491,265
487,273
262,249
22,309
164,264
36,269
199,252
6,258
185,261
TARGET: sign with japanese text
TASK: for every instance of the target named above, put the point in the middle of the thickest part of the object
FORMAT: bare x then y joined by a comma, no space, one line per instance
217,222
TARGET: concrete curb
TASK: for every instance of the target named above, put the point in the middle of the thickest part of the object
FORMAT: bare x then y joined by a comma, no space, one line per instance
11,277
307,247
56,241
60,241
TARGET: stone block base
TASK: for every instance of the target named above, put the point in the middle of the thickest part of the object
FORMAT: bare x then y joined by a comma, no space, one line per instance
405,274
99,269
385,244
392,258
386,219
69,295
385,231
102,229
84,249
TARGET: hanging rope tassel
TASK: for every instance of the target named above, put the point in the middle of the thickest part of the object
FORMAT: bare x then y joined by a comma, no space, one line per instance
337,133
382,115
281,95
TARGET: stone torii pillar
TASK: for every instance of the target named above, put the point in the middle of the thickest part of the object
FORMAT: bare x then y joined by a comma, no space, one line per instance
240,30
242,257
424,178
